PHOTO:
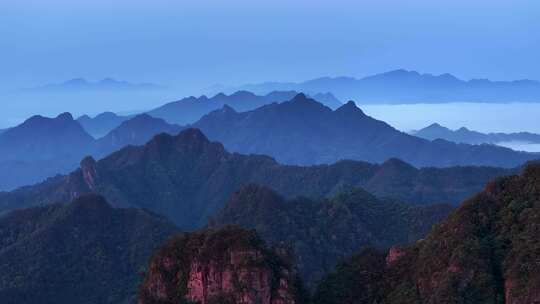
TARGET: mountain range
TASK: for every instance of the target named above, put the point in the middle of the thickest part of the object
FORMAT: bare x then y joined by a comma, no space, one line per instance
81,252
403,87
298,132
44,147
303,131
188,178
464,135
485,252
191,109
101,124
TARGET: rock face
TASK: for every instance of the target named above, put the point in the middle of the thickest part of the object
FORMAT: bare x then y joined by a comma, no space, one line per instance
230,265
485,252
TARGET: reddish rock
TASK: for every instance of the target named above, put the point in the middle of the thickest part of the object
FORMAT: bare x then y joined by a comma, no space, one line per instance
394,254
89,172
219,266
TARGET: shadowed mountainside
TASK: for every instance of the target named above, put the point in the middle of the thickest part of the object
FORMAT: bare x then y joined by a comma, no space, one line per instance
191,109
303,131
188,178
486,252
83,252
326,231
101,124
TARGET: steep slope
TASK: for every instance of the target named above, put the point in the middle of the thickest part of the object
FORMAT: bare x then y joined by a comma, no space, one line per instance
188,178
101,124
486,252
405,87
84,252
464,135
303,131
323,232
191,109
230,265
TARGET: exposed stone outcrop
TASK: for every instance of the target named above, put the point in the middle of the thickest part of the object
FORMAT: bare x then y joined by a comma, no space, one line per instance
89,172
394,254
219,266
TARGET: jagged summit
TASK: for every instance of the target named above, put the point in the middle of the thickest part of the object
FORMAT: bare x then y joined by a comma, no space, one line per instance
349,107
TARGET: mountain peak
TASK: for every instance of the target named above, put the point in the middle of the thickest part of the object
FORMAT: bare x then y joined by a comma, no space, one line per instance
435,126
65,116
300,97
350,107
192,135
243,94
142,117
219,96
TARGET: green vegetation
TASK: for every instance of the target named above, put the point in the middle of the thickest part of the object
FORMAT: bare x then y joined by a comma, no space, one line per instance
85,252
486,252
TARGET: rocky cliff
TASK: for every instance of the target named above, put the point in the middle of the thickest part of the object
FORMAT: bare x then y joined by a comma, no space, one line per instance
230,265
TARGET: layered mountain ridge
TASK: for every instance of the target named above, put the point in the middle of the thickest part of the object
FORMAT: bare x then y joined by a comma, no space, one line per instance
326,231
485,252
189,178
464,135
304,132
410,87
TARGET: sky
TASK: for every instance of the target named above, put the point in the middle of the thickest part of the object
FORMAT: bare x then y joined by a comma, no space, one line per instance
195,44
191,45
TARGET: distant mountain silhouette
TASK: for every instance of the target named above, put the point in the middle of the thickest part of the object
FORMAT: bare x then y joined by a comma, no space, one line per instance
324,232
43,147
135,131
485,252
402,86
303,131
464,135
191,109
188,178
42,138
101,124
83,252
106,84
